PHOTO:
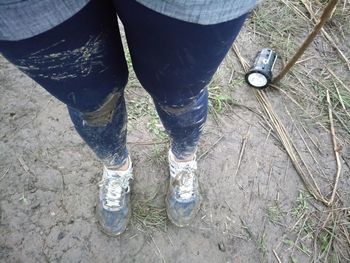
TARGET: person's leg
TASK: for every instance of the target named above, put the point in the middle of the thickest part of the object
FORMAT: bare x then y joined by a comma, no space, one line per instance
81,62
175,61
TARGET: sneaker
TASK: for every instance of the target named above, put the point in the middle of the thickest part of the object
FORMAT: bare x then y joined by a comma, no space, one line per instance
113,207
183,197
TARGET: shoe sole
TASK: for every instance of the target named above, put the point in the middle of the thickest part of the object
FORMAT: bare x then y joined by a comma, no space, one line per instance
108,233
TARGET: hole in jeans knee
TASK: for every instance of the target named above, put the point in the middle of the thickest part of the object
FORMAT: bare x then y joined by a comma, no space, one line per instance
104,114
186,105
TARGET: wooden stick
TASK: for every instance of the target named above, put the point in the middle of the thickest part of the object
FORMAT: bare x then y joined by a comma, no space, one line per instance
323,19
326,35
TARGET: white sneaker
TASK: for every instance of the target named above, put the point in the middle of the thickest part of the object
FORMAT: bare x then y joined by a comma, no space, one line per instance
113,208
183,196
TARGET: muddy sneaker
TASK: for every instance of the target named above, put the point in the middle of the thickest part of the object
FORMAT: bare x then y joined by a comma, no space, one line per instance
183,197
113,207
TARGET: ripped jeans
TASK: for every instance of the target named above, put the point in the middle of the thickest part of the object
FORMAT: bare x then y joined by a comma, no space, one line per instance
81,62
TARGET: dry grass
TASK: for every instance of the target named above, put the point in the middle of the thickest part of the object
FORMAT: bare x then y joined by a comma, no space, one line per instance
318,86
148,215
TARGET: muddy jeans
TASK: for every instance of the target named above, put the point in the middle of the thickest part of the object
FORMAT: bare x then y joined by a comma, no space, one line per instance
81,62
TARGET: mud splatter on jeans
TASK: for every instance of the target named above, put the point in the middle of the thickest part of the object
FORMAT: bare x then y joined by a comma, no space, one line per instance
81,62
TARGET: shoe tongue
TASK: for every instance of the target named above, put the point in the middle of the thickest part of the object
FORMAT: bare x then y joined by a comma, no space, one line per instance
186,165
116,173
186,178
113,172
177,167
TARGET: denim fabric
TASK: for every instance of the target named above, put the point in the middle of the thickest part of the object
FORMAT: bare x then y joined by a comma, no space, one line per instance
81,62
184,122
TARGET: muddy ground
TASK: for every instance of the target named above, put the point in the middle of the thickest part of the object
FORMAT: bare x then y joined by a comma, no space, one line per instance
49,180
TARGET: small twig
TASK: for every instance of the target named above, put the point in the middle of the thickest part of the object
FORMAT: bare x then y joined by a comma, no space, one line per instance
243,62
246,228
244,142
336,150
231,76
340,97
269,179
211,147
228,205
311,139
299,233
337,209
133,236
346,162
332,234
23,164
286,170
160,253
346,234
251,194
4,174
345,126
149,142
170,240
278,259
296,10
339,80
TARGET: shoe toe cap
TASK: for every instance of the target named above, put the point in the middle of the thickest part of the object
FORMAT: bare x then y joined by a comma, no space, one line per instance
113,222
182,212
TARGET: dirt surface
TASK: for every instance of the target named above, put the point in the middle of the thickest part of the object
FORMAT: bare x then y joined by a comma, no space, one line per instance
49,180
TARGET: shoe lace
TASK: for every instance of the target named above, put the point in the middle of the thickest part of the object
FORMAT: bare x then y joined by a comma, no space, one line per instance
115,187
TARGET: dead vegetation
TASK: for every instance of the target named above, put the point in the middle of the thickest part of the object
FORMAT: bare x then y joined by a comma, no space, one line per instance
317,86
